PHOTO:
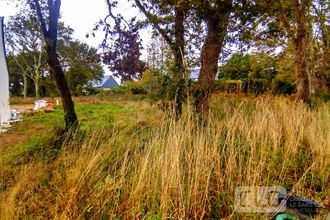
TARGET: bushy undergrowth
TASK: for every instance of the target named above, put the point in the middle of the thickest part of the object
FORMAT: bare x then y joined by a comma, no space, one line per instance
157,169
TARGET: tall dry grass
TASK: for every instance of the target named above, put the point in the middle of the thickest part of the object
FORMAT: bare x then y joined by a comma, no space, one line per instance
180,170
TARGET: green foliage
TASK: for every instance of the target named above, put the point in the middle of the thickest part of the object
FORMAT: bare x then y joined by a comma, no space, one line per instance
228,86
49,88
257,73
283,83
120,90
157,86
255,86
135,87
26,55
83,67
250,66
149,80
262,66
15,77
237,67
25,44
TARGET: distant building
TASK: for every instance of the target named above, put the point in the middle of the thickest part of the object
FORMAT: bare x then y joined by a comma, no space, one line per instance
108,82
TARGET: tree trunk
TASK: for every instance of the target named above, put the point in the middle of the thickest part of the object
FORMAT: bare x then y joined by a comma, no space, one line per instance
61,84
37,83
37,77
25,85
300,42
178,57
216,30
301,70
177,47
25,77
209,66
50,35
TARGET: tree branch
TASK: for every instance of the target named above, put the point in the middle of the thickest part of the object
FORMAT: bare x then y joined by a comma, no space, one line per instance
116,19
41,17
22,68
281,17
156,24
110,12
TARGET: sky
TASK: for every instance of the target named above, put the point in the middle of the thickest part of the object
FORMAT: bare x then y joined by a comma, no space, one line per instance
82,15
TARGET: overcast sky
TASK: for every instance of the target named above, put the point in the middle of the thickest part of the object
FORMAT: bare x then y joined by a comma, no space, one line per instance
81,15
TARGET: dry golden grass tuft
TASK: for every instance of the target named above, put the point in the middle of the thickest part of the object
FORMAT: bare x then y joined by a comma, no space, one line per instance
180,170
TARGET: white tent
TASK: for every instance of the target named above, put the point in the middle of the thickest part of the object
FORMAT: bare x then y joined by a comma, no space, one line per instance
4,80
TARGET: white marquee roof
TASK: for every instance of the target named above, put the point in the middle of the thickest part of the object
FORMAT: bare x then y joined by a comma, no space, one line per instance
4,80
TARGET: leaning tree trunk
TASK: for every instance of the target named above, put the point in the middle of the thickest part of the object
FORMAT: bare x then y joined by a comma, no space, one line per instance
216,31
209,65
62,86
50,36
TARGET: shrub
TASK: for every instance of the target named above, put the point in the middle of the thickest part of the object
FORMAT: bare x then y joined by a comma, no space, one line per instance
228,86
135,87
283,84
120,90
256,86
155,85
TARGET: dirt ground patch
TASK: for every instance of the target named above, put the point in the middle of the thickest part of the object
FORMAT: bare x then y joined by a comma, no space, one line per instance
11,138
22,106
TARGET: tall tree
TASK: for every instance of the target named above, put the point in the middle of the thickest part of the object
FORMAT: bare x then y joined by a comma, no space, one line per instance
82,66
48,15
23,66
320,47
216,15
291,19
159,55
24,37
163,15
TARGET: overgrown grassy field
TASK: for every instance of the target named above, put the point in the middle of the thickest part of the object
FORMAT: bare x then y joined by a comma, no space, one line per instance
130,160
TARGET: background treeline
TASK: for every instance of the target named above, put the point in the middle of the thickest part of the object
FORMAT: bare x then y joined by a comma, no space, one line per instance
253,73
264,60
253,46
28,70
